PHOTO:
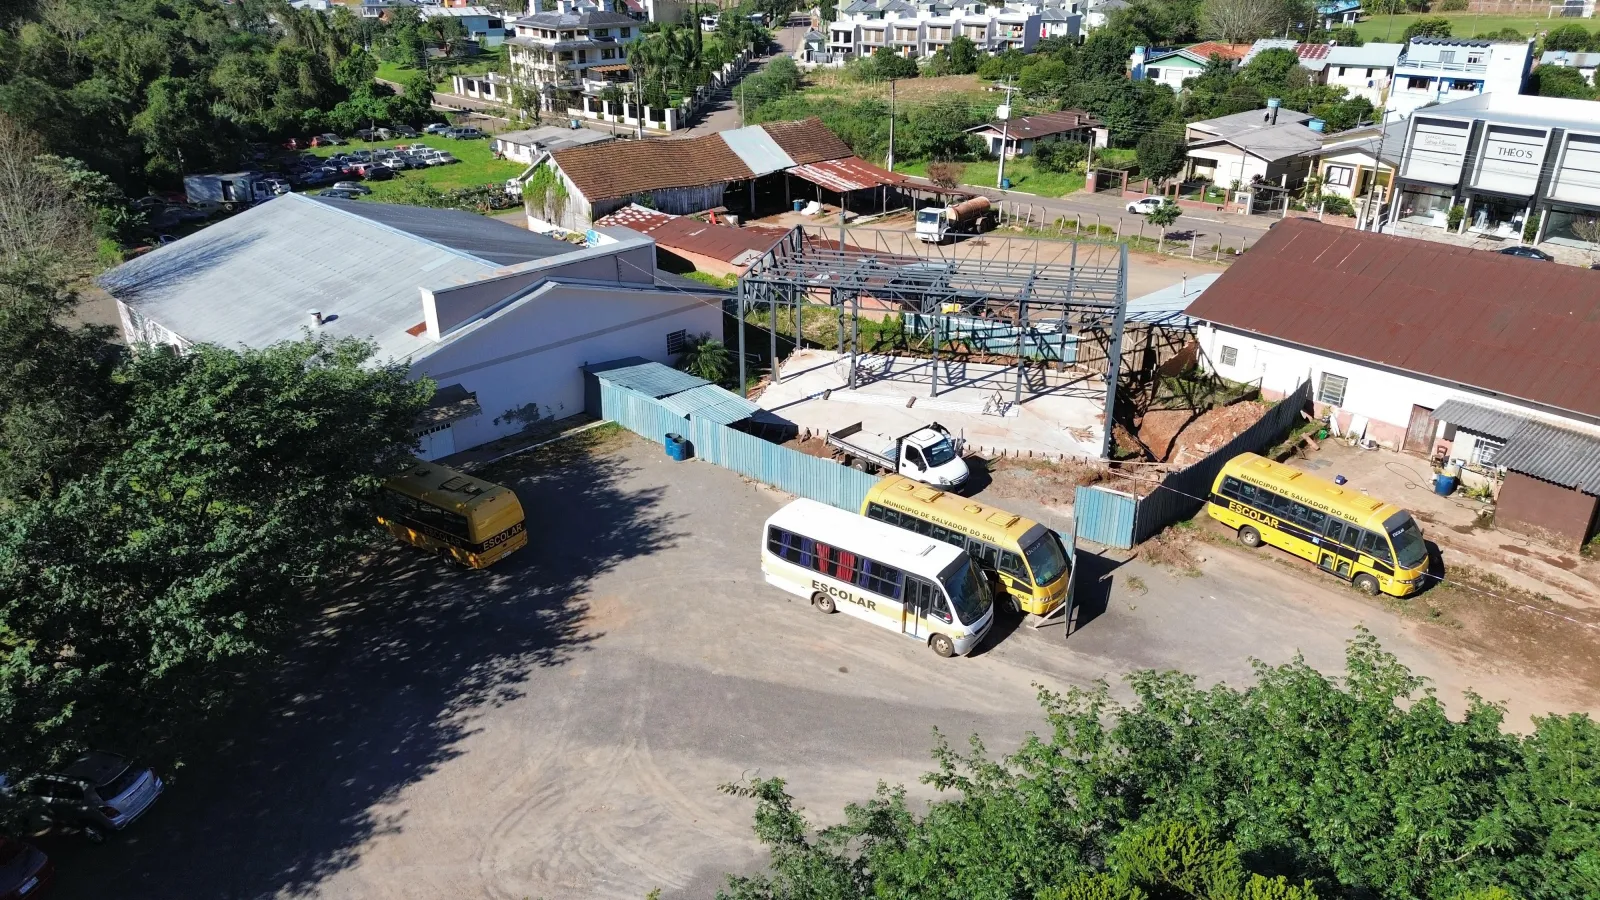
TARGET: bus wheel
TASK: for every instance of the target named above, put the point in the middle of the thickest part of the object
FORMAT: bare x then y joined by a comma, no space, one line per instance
942,645
823,602
1366,584
1249,537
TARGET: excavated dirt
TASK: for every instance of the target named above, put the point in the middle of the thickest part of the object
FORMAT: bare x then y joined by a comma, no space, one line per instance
1177,435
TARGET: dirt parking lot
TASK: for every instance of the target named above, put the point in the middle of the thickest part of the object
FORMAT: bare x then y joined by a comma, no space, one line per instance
557,727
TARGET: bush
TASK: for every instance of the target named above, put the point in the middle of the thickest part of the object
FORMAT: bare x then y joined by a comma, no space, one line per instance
1453,218
946,174
1347,37
1058,157
1452,5
1530,231
1335,205
1569,37
1429,26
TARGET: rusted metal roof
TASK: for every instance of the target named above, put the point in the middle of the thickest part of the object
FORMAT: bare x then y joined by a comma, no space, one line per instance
624,168
1521,328
737,246
1042,125
848,174
807,141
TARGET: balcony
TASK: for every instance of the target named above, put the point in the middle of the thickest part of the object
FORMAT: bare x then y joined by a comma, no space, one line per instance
1433,65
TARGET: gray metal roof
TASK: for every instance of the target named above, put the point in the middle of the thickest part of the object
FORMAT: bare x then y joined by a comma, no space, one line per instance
479,236
1166,306
575,20
1374,56
649,378
756,148
252,279
1495,423
1571,58
1568,458
712,403
552,137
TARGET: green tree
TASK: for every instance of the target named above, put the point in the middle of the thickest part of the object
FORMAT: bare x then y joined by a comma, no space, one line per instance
1427,26
1347,37
1161,154
1559,81
706,357
887,64
964,56
1571,37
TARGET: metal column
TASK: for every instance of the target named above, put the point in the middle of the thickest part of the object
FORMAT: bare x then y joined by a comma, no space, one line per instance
1114,353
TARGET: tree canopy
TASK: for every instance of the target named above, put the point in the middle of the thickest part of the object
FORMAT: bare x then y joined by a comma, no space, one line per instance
1296,787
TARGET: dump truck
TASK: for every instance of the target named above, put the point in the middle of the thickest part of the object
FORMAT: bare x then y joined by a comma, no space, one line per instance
928,454
935,223
231,192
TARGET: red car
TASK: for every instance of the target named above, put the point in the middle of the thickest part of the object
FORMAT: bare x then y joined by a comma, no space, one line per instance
24,871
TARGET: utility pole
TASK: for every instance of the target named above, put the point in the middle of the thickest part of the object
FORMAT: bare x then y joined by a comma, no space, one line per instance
638,103
891,127
1005,136
741,103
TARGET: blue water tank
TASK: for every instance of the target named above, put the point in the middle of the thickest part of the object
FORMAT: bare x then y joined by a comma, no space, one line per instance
1317,125
1444,485
677,447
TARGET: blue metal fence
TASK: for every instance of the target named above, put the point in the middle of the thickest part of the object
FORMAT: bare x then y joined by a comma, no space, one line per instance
787,470
1104,516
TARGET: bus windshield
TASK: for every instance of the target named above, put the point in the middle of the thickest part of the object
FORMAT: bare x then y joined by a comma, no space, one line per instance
1046,559
969,591
1410,550
940,453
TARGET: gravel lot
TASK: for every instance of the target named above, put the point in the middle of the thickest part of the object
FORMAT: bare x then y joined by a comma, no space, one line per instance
558,727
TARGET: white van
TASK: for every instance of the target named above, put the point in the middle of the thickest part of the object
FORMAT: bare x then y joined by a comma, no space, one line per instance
924,589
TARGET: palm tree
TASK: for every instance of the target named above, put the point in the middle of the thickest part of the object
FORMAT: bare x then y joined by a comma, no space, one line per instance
707,358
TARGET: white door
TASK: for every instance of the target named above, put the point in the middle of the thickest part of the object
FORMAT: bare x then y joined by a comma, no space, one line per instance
435,444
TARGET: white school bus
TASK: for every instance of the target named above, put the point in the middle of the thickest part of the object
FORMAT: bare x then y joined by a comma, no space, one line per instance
924,589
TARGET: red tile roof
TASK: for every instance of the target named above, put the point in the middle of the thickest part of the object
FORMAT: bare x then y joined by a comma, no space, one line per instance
1522,328
1313,51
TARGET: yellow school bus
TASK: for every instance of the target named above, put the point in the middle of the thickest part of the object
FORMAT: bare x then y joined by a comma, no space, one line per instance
1376,546
453,514
1026,558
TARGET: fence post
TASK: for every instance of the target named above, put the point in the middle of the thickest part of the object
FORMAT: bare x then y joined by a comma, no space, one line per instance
1119,229
1192,238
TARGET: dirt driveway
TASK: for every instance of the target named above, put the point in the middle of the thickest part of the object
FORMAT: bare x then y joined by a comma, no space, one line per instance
558,727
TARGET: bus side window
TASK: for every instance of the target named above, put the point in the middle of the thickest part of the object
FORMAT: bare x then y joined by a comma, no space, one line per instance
876,512
1376,546
987,554
879,579
1315,519
1011,564
1245,492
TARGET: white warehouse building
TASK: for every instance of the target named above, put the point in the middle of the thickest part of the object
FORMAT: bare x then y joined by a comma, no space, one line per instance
501,318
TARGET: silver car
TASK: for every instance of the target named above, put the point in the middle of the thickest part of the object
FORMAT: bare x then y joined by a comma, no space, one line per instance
98,794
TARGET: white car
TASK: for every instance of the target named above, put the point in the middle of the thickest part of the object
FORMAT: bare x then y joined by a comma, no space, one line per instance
1145,205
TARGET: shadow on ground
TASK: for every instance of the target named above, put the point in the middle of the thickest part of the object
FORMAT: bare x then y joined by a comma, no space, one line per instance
377,695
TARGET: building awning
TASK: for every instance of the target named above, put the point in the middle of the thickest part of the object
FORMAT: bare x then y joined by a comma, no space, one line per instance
1480,419
451,403
616,67
1533,447
851,173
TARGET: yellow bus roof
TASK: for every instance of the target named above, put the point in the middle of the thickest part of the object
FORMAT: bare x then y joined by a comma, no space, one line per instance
974,518
445,488
1346,502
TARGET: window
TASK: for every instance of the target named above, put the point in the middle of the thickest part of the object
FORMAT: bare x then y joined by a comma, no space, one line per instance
439,523
1339,175
497,23
1376,546
1475,58
601,32
1418,83
608,53
1485,449
1447,56
1331,389
1230,355
677,342
1341,71
1370,72
1011,564
1152,74
624,32
879,579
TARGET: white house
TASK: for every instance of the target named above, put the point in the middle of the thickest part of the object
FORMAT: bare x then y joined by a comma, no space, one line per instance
1364,71
1585,63
528,145
1440,70
1023,133
566,54
1172,66
1427,348
501,318
481,23
922,29
1259,145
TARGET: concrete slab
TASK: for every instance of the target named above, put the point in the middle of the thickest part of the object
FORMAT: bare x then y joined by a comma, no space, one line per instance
1060,414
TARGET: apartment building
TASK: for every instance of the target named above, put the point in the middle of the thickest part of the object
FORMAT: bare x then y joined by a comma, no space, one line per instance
565,54
1442,70
919,30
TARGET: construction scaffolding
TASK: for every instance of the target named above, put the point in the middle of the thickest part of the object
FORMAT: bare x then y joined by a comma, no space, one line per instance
1001,300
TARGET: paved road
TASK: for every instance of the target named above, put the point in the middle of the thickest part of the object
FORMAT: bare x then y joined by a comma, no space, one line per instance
558,726
723,113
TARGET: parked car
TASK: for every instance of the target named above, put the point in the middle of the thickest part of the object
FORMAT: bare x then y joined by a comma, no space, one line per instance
403,131
1145,205
374,171
340,194
1526,252
99,793
361,155
331,140
436,128
465,134
352,186
441,158
374,134
24,870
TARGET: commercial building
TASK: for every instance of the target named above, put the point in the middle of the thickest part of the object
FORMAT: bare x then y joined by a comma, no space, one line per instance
1020,136
1428,348
501,318
564,55
1506,160
1172,66
1442,70
1259,146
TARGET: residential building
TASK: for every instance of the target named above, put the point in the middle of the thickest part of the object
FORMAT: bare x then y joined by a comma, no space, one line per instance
1061,21
1339,13
1427,348
1440,70
1099,13
922,29
642,10
1504,159
565,54
528,145
482,24
501,318
1359,165
379,9
1259,146
1585,63
1364,71
1022,134
1172,66
1312,56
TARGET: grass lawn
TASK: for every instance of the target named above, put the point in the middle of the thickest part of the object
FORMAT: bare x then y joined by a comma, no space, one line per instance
1021,172
477,166
1390,28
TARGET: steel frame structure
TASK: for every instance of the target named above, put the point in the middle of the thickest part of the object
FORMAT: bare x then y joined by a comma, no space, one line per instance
803,270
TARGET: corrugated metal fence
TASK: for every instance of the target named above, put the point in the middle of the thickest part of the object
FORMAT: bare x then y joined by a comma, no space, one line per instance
1175,499
787,470
1117,519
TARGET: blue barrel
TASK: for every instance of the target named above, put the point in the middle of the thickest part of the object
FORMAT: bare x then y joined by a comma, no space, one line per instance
677,447
1444,484
799,205
1005,184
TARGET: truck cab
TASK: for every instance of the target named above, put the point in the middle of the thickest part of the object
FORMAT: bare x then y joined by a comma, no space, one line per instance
928,455
931,224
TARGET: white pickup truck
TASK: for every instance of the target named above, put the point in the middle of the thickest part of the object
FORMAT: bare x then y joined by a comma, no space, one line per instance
927,455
